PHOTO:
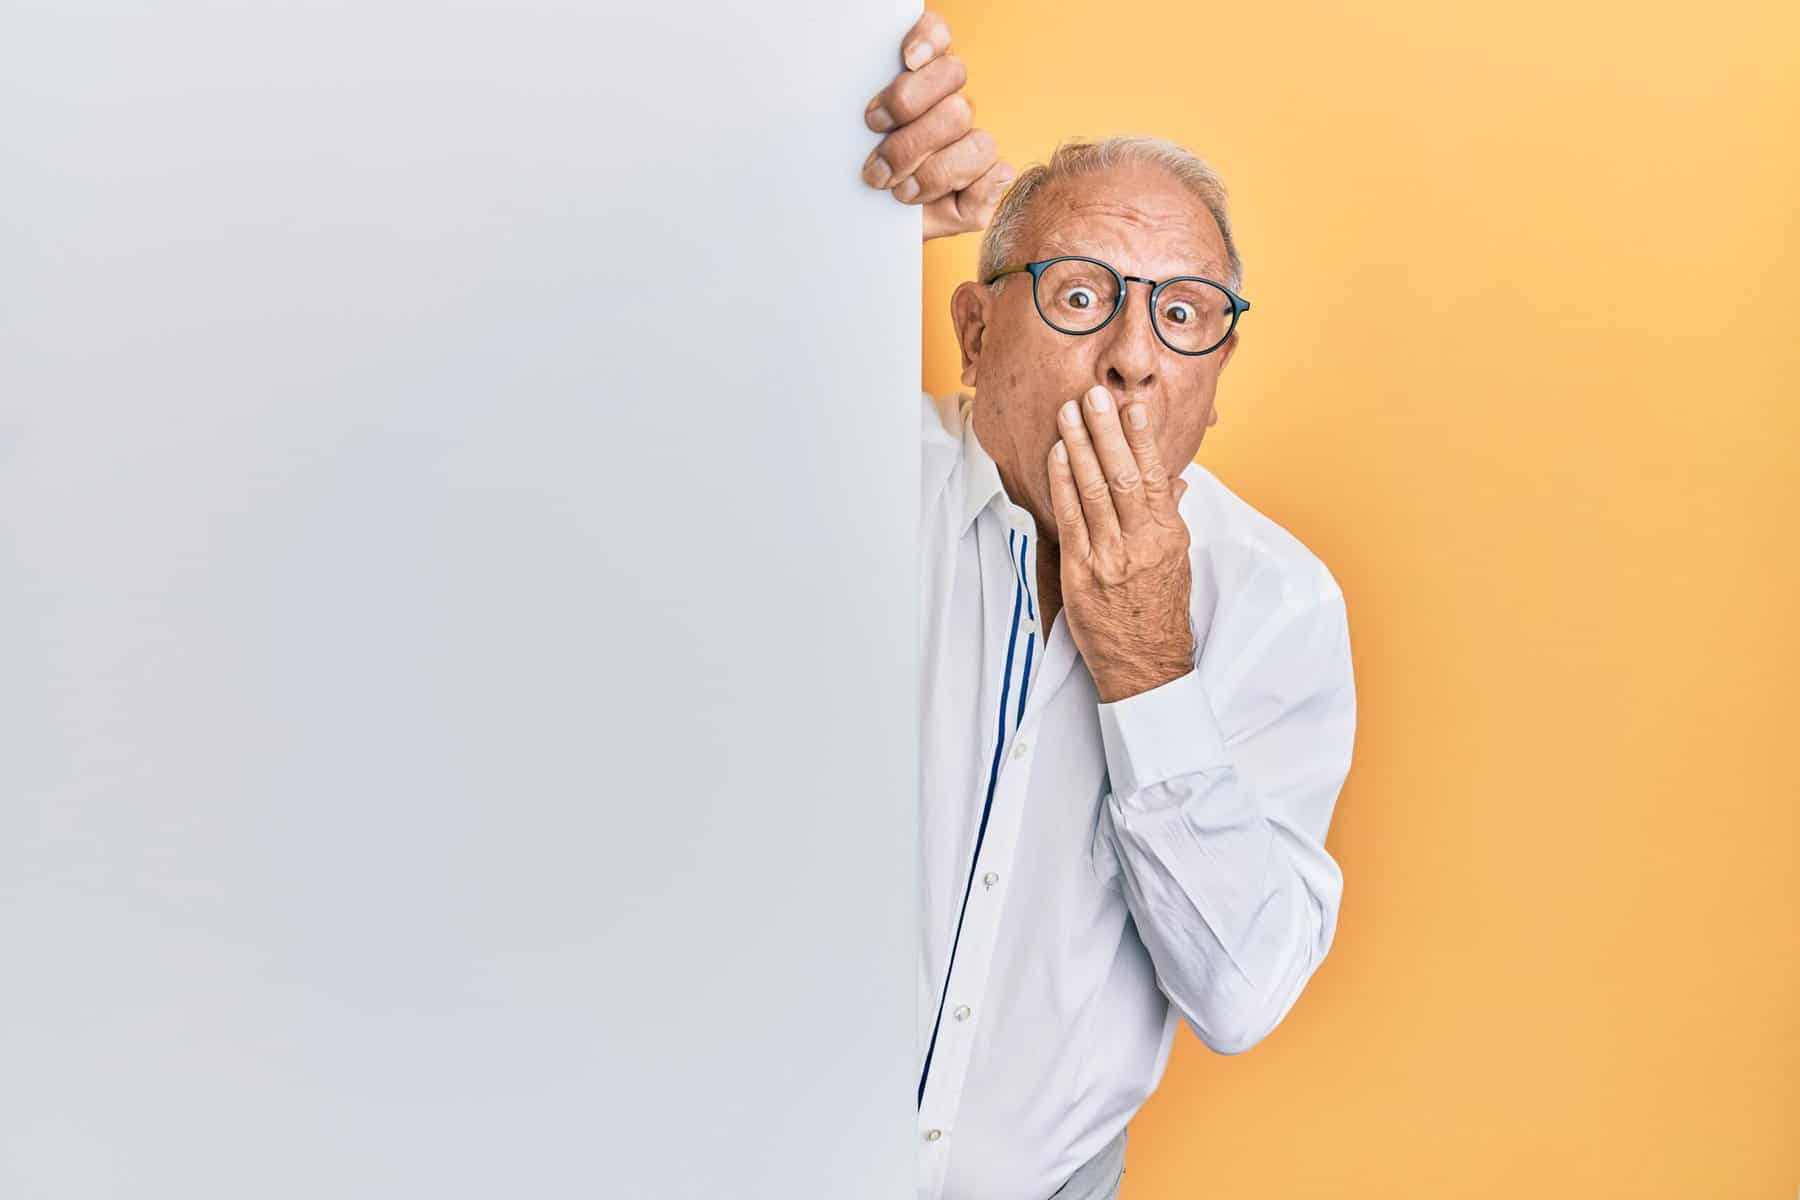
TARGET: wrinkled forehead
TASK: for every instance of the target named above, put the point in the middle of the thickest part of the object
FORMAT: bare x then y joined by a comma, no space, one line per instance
1153,232
1150,254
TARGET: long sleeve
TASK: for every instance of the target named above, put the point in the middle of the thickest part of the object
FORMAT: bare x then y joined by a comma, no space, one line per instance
1218,817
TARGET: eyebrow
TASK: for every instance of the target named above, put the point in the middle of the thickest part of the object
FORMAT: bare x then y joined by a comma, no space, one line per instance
1052,248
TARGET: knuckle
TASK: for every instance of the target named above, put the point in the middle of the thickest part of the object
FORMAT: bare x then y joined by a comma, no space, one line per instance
931,175
1126,481
912,96
897,149
961,113
960,172
937,130
1096,490
900,103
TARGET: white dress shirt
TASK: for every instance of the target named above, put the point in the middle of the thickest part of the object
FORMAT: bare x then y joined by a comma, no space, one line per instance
1092,872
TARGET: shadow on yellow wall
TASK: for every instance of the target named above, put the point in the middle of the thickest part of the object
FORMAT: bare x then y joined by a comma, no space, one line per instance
1524,371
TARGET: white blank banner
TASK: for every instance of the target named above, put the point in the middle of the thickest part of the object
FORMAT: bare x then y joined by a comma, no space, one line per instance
458,615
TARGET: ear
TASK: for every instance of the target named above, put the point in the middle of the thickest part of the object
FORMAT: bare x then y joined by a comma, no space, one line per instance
1227,350
969,312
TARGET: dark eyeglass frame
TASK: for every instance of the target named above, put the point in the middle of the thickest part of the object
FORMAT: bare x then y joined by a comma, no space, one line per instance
1239,305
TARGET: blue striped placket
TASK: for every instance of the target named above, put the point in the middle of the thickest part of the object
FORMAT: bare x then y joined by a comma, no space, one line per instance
1016,544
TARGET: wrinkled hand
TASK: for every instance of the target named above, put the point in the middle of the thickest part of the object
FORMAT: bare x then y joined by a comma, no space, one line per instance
932,154
1125,573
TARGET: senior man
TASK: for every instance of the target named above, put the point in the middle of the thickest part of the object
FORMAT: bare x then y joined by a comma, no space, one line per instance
1137,707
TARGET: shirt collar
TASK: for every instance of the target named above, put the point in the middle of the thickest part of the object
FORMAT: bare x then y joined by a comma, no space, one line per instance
981,477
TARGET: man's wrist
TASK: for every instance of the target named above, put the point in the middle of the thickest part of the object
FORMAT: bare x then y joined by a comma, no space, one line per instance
1130,682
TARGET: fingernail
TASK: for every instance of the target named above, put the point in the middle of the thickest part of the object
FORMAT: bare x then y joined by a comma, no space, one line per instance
907,189
1070,413
1062,451
917,55
1136,416
1098,399
875,169
880,120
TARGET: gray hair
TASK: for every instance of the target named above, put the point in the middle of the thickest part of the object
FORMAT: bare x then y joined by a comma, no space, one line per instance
1000,242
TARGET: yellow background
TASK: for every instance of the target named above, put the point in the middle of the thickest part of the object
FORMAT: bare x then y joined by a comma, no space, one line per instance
1522,369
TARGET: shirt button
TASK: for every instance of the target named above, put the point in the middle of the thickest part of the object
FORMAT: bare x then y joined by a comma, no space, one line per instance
962,1012
932,1135
990,879
1019,749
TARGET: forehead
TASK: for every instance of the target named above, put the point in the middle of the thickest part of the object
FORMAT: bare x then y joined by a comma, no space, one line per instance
1138,218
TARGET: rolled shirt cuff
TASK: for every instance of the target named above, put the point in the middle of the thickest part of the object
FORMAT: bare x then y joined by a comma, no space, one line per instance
1159,734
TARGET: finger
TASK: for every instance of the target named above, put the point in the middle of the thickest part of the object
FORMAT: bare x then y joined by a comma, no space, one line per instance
928,38
970,209
912,93
1117,461
951,169
1065,505
943,123
1090,481
1181,487
1159,495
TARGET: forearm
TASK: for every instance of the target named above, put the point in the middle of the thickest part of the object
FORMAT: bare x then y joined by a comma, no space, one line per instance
1236,911
1220,841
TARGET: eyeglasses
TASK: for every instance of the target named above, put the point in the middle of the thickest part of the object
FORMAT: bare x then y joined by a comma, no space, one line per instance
1078,295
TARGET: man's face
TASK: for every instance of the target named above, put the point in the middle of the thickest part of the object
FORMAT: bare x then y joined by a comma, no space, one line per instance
1144,223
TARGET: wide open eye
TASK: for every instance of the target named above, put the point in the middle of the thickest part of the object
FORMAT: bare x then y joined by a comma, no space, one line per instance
1193,314
1077,296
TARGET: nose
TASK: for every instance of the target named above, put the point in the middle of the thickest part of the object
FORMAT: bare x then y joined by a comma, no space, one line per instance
1127,362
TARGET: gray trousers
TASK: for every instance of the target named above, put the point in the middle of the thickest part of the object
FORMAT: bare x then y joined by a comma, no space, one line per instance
1098,1177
